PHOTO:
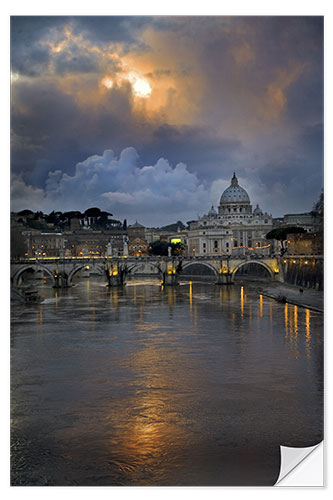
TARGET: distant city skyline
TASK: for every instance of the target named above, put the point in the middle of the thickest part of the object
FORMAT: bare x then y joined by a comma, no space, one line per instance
148,117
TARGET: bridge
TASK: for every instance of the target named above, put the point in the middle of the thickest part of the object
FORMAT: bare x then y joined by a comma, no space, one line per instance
116,269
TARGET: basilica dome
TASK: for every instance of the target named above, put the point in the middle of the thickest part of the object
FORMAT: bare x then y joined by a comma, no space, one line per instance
234,193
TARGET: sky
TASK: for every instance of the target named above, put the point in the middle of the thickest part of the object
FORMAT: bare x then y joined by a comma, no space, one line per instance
148,117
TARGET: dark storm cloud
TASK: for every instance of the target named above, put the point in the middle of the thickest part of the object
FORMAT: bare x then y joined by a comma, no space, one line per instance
200,148
300,42
40,173
75,62
31,62
305,100
282,37
42,126
241,64
296,173
29,56
107,29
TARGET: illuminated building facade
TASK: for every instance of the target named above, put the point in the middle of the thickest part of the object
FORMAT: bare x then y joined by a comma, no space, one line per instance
235,229
74,244
138,247
305,244
45,244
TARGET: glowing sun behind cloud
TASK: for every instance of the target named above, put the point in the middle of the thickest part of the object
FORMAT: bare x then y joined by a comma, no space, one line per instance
140,85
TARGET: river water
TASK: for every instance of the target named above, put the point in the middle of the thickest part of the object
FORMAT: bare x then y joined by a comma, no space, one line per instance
191,385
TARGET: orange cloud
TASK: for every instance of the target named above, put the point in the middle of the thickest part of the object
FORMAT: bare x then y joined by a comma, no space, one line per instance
274,101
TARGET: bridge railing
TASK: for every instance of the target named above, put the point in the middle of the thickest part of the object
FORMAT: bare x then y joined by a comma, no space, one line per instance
83,258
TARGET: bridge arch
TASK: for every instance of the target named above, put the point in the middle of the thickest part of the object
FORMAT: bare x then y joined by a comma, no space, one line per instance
79,267
154,266
205,264
21,270
258,262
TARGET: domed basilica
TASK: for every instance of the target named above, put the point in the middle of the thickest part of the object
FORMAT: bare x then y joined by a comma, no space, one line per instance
232,230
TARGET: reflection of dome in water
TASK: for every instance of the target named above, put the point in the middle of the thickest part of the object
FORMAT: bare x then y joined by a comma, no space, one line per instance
235,193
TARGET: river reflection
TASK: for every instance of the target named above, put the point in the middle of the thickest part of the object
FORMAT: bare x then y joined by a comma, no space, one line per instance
191,385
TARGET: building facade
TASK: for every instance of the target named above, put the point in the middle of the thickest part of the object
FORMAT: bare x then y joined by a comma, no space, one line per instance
83,243
234,229
137,244
305,220
74,243
136,231
305,244
137,247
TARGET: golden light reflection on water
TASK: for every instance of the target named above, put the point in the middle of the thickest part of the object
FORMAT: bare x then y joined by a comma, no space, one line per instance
151,327
294,330
114,297
260,306
286,321
307,322
190,288
290,322
155,423
242,301
296,320
307,333
171,297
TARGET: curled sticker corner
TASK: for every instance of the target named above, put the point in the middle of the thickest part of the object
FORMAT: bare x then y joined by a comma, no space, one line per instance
301,466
